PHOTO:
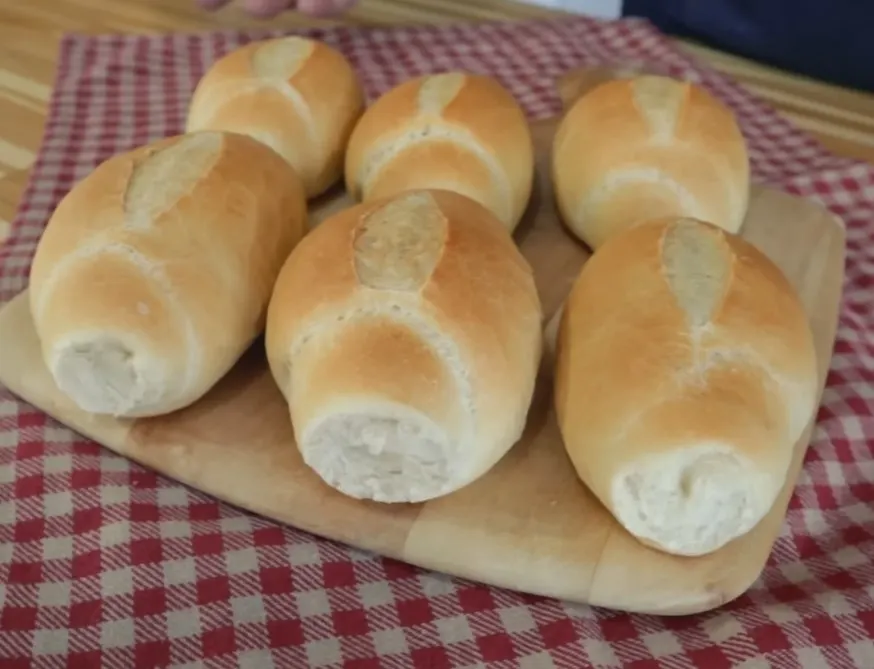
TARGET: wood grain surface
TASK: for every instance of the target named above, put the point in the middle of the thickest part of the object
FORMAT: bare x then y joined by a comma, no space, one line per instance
529,524
30,32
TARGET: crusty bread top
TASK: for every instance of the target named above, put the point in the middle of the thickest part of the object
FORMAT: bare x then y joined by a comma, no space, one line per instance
253,88
431,261
684,334
202,185
652,146
454,131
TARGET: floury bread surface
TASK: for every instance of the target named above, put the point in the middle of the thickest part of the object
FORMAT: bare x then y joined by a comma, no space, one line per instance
637,148
154,272
452,131
685,374
299,96
405,334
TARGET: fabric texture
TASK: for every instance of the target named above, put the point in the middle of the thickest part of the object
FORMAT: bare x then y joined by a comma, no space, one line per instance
826,40
106,564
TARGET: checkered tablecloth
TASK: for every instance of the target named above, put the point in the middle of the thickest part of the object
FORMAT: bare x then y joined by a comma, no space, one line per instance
106,564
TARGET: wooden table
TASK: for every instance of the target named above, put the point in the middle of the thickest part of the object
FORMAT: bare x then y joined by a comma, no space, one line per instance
30,31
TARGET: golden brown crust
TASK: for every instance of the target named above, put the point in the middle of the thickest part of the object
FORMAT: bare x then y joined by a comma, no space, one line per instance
453,131
473,307
383,352
638,376
299,96
182,275
646,147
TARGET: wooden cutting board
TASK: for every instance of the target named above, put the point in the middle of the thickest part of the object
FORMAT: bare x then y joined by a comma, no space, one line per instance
529,524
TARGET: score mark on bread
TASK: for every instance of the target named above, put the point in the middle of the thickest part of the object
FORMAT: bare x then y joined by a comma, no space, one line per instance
397,246
697,266
659,101
438,91
275,64
168,174
279,60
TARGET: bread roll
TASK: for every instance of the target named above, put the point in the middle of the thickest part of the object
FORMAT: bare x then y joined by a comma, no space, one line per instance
405,335
453,131
645,147
686,373
298,96
154,272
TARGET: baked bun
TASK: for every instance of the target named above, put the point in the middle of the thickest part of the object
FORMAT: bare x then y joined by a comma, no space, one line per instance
405,335
645,147
685,375
298,96
453,131
154,272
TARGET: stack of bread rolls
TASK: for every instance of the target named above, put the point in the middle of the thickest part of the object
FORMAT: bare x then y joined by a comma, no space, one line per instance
685,370
154,272
405,331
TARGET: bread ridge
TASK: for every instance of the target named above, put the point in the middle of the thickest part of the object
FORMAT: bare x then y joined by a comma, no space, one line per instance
402,312
431,312
640,390
424,133
379,157
183,305
138,264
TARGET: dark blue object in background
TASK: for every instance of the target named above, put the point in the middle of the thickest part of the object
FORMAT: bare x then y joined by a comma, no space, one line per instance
830,40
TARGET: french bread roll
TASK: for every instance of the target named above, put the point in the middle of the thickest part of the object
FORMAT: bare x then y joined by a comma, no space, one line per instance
645,147
299,96
154,272
405,335
685,375
452,131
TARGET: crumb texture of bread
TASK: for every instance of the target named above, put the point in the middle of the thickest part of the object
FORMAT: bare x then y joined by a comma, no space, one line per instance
451,131
645,147
154,272
405,335
685,374
298,96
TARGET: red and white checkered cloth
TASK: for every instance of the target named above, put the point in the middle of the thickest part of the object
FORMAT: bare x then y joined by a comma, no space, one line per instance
106,564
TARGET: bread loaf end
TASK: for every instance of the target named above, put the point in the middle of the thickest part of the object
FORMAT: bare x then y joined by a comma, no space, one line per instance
154,272
410,364
685,374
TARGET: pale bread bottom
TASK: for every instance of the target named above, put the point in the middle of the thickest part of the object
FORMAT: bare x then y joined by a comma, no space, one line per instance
382,453
102,376
691,501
